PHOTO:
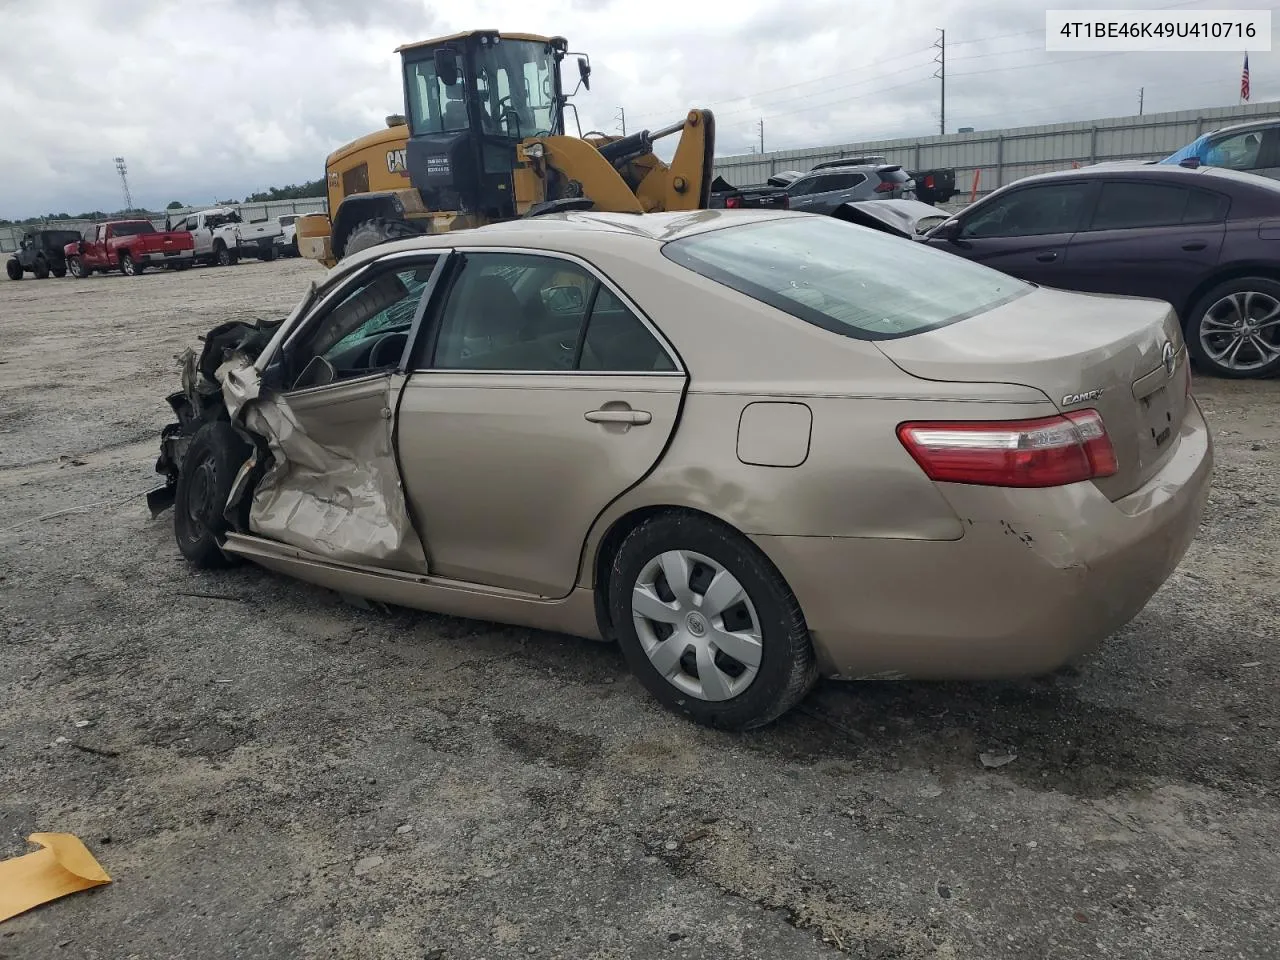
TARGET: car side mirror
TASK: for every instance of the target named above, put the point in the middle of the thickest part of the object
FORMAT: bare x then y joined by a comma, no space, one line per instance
565,299
446,63
584,72
947,230
1190,163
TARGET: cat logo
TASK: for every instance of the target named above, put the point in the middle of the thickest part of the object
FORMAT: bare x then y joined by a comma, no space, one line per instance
396,162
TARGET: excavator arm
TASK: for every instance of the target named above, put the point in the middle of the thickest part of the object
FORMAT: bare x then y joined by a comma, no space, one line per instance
618,174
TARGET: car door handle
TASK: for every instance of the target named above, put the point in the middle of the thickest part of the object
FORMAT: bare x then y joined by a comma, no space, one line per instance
613,415
1047,257
1194,245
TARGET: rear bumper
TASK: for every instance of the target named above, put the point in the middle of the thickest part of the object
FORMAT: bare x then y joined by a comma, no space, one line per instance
1039,576
168,256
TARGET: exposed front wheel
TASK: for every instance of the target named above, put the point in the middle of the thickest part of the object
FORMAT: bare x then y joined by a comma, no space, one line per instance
209,469
222,256
707,624
76,268
14,269
1234,330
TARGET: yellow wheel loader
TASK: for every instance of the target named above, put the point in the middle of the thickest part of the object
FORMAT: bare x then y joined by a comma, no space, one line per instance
483,139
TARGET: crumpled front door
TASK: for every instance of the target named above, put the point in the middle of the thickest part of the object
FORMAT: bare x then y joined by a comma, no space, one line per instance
334,488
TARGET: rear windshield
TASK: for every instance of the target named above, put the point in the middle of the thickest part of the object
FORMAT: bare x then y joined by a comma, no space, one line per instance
894,176
131,229
851,280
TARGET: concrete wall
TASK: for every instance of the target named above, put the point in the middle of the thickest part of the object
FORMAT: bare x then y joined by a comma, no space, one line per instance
1003,156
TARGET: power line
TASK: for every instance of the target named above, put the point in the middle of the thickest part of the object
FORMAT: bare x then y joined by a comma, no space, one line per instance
802,83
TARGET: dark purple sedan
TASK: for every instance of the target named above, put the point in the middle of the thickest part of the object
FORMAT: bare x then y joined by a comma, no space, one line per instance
1206,241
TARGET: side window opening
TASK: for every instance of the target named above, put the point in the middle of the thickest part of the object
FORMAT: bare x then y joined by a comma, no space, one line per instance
617,341
540,314
366,332
1034,211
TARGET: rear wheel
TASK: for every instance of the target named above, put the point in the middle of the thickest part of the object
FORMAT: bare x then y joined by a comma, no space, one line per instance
76,268
707,624
14,269
130,267
58,272
370,233
40,268
1234,330
213,459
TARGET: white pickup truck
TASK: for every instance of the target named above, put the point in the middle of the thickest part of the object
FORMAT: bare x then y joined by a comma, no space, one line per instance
222,238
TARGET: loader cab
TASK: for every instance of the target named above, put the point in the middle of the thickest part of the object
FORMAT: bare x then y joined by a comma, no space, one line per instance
469,100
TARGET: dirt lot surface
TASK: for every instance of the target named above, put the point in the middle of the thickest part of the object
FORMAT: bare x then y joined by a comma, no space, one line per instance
269,772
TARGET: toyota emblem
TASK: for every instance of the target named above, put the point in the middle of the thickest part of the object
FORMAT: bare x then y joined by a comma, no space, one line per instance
1168,358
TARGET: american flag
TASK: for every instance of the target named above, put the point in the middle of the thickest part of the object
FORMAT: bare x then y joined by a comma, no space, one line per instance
1244,79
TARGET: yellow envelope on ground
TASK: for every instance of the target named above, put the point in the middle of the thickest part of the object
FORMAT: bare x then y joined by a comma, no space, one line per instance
64,866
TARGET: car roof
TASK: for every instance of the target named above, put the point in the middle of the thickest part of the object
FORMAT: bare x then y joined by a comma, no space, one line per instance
1152,172
576,232
1244,127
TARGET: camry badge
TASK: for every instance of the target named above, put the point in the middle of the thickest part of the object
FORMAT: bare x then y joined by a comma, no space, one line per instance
1168,358
1072,398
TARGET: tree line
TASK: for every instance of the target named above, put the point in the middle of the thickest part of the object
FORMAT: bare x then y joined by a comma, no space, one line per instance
302,191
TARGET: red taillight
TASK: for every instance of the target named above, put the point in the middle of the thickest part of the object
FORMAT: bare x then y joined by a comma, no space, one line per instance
885,186
732,202
928,181
1015,453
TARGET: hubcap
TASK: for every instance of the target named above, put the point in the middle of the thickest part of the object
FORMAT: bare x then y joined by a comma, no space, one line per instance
697,625
1242,331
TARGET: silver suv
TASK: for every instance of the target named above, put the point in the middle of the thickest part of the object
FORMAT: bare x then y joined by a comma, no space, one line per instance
830,185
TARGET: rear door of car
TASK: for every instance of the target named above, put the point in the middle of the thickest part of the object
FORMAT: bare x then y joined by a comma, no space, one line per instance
1025,231
542,394
1147,239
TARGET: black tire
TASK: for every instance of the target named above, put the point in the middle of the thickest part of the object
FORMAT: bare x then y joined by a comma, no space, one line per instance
75,266
58,272
371,233
14,269
1205,322
787,668
269,254
214,457
222,255
40,268
129,266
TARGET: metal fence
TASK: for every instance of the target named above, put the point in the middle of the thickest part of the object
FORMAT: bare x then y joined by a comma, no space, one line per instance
997,157
11,235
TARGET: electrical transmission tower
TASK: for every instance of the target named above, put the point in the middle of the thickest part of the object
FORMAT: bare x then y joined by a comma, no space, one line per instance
941,73
124,182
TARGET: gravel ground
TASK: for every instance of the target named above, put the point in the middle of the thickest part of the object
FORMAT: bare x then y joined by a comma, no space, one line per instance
269,772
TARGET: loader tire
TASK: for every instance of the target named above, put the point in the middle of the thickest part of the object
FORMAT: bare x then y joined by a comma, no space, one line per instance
371,233
41,268
14,269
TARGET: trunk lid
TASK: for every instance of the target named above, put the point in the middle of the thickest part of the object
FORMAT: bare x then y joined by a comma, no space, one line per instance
1083,351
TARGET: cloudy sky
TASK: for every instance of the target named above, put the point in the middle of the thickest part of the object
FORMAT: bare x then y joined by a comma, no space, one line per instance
219,98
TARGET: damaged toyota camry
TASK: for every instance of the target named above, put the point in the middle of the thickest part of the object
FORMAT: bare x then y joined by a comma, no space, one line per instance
749,447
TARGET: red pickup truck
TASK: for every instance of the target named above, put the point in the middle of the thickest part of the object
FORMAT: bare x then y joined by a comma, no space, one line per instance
129,246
